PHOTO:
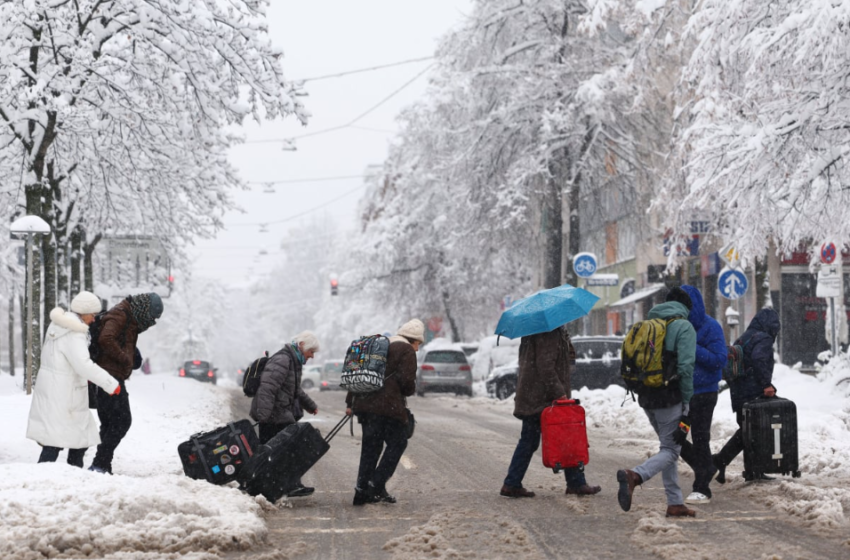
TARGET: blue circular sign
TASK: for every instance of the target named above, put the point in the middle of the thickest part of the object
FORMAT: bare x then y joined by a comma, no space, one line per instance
584,264
732,283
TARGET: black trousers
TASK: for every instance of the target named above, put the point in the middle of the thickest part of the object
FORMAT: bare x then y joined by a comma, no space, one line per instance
115,421
698,454
735,444
51,454
376,468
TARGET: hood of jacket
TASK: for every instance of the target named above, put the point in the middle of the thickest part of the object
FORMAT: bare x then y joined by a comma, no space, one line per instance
62,322
668,309
766,321
697,315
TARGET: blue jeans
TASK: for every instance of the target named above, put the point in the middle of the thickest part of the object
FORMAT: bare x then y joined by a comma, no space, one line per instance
529,441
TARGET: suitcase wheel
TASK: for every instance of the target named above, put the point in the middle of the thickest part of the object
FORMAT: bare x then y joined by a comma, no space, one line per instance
796,474
557,468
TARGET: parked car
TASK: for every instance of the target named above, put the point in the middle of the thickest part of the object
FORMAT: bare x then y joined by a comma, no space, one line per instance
200,370
311,376
444,371
597,367
330,375
502,381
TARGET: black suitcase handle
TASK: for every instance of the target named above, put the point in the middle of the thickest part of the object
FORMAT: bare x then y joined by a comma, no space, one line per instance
335,430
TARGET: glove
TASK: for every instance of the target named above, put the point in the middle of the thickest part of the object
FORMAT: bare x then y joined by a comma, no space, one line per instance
117,391
681,433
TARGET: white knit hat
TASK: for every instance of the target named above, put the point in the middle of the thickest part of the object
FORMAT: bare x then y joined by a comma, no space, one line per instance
85,303
413,329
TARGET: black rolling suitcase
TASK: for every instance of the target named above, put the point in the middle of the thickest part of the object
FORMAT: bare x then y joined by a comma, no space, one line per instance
279,464
769,428
221,454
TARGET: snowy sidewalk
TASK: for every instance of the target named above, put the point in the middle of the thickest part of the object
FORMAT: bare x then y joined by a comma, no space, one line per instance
148,509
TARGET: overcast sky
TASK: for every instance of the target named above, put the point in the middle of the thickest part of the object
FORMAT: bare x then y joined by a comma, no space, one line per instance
321,38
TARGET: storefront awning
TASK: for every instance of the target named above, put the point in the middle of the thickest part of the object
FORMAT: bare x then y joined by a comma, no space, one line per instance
643,293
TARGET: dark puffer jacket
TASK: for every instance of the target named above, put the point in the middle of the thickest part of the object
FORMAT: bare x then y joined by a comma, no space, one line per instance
280,398
711,346
399,383
546,361
118,336
757,341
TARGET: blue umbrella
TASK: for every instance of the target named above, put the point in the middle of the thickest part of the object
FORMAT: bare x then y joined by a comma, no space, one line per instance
545,311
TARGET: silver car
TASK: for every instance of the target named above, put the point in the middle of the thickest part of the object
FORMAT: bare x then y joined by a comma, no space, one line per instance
331,375
445,371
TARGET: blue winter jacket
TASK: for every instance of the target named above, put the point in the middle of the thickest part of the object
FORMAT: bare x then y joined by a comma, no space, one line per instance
711,346
757,341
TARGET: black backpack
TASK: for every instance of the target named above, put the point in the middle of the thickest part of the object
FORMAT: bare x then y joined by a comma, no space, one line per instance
253,373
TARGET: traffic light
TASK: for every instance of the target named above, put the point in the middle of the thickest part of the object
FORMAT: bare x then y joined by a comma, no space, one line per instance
334,287
170,283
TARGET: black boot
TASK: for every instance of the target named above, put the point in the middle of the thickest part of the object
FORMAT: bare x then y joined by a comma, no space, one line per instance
721,469
361,498
380,495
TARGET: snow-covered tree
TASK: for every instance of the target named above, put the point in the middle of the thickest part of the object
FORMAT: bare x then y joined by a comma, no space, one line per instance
765,139
115,112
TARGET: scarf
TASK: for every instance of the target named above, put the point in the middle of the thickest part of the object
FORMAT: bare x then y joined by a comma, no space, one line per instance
140,307
298,353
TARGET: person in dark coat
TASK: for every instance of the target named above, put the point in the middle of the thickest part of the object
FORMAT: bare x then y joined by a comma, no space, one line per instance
546,362
708,370
383,416
280,400
757,342
119,332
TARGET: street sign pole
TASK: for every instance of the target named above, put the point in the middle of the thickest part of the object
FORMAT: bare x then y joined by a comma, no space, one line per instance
30,333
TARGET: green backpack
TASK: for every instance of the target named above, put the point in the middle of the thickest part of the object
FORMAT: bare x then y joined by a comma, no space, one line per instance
645,363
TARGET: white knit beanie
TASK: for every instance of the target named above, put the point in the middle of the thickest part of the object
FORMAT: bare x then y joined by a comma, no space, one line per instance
85,303
413,329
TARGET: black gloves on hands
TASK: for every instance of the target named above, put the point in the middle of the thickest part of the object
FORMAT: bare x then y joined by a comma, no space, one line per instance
681,433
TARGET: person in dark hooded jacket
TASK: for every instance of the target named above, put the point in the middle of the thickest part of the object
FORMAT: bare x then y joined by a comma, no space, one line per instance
119,333
757,342
708,370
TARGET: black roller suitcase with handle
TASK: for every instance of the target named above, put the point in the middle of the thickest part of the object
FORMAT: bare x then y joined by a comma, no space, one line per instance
280,463
769,428
221,454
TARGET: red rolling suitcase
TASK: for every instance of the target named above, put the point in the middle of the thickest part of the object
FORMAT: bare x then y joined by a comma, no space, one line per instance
564,435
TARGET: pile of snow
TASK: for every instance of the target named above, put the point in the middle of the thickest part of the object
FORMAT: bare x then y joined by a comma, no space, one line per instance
148,509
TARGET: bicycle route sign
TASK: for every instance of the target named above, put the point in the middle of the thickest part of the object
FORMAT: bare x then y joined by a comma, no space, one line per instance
585,265
732,283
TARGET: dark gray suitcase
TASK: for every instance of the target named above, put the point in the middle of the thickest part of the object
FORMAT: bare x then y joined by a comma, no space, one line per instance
278,465
769,428
219,455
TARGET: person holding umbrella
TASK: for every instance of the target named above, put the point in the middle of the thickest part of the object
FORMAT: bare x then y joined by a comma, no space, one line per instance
546,361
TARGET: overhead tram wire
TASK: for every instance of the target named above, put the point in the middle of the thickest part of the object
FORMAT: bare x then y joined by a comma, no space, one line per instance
351,122
361,70
304,213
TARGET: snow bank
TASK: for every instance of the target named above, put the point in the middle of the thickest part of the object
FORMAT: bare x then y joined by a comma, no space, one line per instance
148,509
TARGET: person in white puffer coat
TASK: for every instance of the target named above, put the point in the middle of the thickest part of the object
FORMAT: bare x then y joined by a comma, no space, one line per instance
59,415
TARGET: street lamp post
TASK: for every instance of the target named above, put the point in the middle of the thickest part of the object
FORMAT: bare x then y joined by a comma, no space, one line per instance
29,226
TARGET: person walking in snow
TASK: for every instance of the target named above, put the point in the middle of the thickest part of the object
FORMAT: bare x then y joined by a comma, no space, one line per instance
280,400
546,363
59,415
667,407
708,370
757,342
383,416
116,343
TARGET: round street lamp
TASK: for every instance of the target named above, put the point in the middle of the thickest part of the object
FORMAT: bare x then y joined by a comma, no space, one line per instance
29,226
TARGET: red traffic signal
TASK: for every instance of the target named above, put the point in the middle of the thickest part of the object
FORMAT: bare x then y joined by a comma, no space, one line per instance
334,287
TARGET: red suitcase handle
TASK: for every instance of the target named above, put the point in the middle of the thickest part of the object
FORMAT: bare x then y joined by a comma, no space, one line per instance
566,402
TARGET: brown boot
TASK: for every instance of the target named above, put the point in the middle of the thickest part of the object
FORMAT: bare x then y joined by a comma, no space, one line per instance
584,490
628,480
511,492
680,511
